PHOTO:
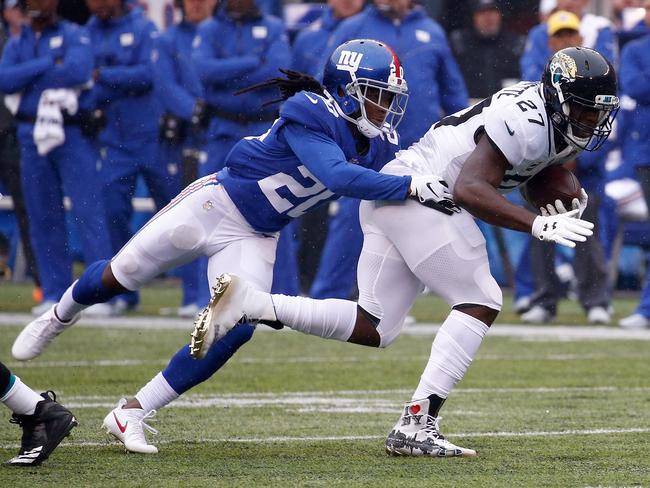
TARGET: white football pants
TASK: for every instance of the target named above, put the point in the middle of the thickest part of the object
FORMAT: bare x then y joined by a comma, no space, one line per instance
201,220
408,246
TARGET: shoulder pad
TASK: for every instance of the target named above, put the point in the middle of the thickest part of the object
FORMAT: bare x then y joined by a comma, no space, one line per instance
519,139
310,110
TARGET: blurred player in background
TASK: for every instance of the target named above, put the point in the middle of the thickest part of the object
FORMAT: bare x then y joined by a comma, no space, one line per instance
597,33
635,84
308,51
327,142
237,47
46,69
122,47
184,120
590,263
488,149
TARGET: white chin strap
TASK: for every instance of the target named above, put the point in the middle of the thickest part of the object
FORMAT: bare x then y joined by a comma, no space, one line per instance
366,128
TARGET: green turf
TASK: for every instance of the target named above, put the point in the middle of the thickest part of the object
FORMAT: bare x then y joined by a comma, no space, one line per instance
307,393
289,385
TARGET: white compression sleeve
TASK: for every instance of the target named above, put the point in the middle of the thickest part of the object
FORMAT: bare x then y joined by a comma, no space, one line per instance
452,351
331,318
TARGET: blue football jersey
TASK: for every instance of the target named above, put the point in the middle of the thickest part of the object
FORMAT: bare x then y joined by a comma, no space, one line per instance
307,158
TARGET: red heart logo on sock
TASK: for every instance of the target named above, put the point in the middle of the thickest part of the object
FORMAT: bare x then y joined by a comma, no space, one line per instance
414,409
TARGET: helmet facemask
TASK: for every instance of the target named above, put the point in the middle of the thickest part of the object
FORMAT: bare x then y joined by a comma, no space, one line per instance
586,124
385,101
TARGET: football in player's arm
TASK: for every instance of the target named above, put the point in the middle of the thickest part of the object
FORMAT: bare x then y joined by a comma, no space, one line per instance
488,149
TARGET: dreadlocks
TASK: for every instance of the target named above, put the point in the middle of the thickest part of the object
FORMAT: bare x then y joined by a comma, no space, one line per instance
293,83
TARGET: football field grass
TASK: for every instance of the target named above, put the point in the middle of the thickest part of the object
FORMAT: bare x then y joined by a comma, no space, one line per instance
292,410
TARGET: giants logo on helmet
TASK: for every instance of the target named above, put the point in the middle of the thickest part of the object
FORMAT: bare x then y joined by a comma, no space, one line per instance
349,61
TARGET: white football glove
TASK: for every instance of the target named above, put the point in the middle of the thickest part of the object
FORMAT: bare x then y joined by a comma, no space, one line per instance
579,204
564,228
433,191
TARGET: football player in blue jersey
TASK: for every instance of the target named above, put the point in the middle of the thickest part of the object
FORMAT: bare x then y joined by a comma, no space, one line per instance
329,141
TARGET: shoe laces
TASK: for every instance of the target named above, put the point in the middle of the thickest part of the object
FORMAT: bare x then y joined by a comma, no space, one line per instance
18,420
149,416
432,427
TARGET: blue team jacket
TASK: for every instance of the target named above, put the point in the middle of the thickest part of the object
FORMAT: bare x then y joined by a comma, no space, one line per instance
310,44
122,50
537,52
176,81
634,74
307,158
436,86
231,54
60,58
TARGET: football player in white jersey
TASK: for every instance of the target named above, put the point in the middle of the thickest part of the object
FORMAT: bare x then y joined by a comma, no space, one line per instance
482,152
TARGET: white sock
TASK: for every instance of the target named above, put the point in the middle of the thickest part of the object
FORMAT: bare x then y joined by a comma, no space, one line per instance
67,308
156,394
453,349
331,318
21,399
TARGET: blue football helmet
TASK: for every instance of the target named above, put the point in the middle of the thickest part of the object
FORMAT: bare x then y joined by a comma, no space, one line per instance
365,71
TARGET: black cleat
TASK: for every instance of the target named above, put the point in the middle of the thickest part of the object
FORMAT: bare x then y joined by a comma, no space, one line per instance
42,431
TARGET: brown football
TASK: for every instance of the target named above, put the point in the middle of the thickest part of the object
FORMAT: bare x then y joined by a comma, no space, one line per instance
550,184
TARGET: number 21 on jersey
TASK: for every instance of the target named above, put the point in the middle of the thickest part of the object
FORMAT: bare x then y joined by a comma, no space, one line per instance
271,184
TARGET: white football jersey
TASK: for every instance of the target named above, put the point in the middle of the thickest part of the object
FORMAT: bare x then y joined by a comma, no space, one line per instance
516,123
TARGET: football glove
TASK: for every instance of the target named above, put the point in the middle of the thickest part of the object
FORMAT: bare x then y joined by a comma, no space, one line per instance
433,191
563,228
579,204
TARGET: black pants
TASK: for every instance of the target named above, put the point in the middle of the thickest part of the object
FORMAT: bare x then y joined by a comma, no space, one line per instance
589,265
10,177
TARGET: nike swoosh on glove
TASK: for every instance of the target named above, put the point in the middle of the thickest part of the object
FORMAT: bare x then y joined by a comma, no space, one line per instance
564,228
433,191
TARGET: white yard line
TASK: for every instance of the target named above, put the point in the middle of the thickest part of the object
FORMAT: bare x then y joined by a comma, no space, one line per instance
283,439
529,332
342,401
105,363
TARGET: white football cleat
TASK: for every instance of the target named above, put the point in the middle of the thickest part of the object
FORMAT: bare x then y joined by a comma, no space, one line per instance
521,305
36,336
635,321
223,312
599,316
127,426
537,315
418,434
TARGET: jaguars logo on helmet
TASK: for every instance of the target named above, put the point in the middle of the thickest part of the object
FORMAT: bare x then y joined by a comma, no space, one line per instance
580,90
362,73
